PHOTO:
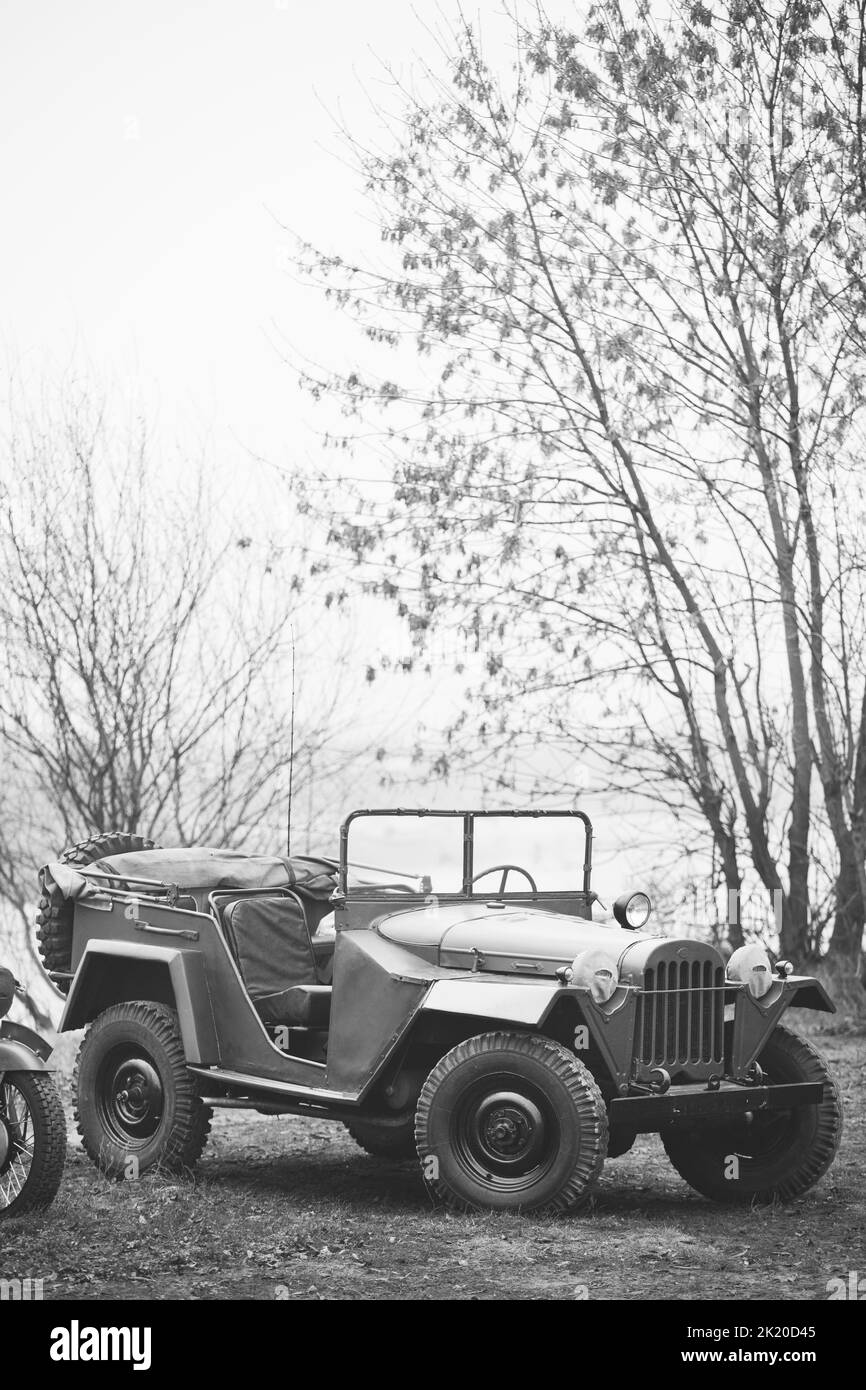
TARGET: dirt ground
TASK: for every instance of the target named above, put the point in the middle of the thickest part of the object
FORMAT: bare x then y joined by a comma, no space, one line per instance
286,1208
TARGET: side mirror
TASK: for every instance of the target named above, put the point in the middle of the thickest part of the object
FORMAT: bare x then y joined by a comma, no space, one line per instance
632,910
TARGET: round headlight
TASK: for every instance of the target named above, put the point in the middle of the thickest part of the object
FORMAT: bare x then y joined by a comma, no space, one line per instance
596,971
7,991
632,910
750,966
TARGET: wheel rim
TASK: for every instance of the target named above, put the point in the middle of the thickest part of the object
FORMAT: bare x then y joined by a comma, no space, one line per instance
504,1134
763,1136
760,1136
16,1143
130,1097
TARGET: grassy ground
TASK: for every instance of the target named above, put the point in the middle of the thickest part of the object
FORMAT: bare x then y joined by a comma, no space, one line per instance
289,1208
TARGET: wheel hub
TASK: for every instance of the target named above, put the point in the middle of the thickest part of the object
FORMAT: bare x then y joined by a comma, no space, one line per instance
135,1097
5,1142
509,1130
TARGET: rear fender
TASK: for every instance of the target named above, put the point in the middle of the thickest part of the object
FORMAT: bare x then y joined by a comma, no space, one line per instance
113,972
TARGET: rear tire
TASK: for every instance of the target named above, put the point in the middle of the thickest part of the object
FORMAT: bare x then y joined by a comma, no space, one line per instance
387,1137
137,1104
620,1141
54,918
511,1121
779,1154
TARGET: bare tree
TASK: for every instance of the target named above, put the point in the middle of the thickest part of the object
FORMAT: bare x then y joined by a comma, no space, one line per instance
626,470
148,659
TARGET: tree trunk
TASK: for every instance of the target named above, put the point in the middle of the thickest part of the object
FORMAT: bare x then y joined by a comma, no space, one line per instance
850,914
734,886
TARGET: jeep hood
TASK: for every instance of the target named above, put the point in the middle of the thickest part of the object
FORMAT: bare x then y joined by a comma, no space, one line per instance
511,940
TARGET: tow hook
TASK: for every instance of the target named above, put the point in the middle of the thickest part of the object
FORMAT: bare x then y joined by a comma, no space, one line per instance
659,1085
753,1077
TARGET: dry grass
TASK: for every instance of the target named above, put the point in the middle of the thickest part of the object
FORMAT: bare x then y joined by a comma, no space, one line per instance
289,1208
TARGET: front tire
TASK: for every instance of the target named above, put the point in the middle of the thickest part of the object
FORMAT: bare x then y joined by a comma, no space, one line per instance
511,1121
137,1104
774,1156
32,1142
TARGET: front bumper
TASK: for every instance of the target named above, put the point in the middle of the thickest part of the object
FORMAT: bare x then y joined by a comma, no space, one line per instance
646,1114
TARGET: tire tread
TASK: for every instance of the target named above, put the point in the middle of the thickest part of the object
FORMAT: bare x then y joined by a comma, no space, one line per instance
578,1080
816,1161
49,1158
192,1119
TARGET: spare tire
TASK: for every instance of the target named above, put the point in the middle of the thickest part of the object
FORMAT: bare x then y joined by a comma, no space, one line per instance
54,918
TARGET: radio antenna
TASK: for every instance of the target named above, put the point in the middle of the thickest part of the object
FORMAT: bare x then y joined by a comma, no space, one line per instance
291,753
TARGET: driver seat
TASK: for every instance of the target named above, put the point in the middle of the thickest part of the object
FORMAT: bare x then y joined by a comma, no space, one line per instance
269,937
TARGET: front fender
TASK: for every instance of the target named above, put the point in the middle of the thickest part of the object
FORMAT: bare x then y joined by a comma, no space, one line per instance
529,1003
508,1001
808,993
21,1049
755,1019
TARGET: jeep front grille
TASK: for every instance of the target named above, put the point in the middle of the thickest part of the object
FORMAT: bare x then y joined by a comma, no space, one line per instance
680,1015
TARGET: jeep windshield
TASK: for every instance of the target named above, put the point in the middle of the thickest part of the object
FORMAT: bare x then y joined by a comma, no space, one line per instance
466,853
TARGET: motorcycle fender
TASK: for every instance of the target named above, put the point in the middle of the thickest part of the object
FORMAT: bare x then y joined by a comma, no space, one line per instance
21,1049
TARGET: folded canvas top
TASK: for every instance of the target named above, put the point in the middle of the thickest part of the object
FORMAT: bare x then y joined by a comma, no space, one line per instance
204,869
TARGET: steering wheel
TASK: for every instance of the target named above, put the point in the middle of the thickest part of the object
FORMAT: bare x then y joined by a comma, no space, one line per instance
505,870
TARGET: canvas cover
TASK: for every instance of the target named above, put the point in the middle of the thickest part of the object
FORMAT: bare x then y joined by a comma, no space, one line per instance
205,869
222,868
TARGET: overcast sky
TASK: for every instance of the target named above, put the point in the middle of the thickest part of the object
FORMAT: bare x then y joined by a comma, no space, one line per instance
151,158
150,155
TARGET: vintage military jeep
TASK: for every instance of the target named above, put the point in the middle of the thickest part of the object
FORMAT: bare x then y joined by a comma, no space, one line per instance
487,1024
